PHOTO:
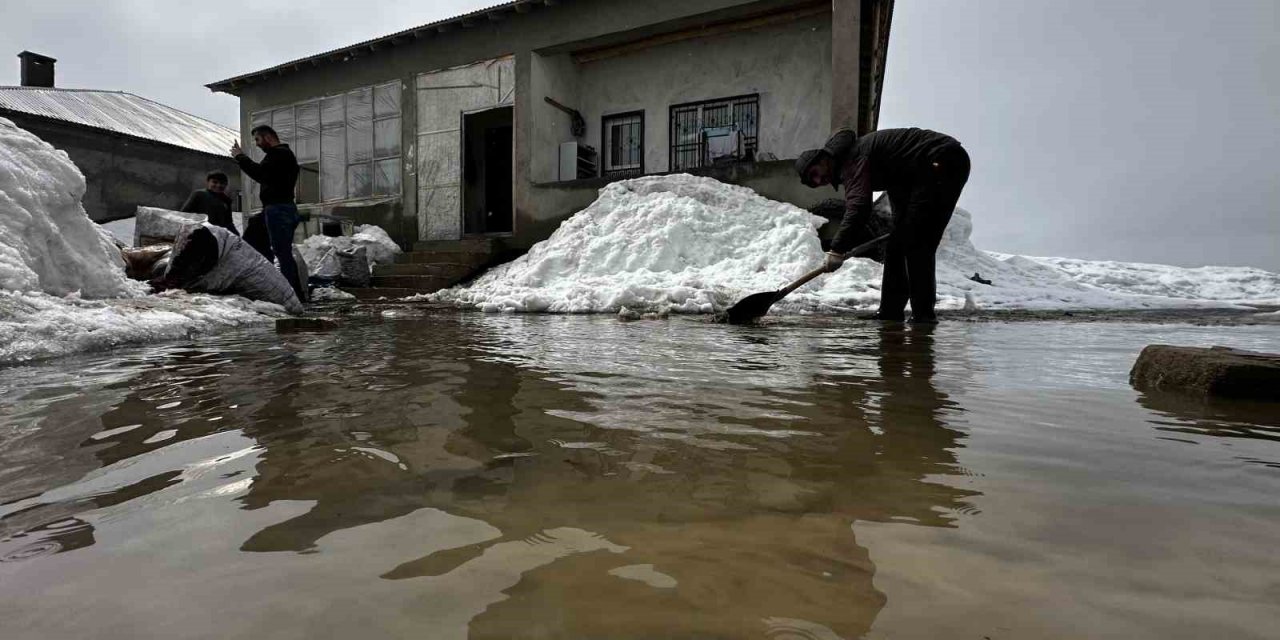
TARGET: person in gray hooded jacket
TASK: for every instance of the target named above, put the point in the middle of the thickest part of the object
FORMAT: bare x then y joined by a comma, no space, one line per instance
923,172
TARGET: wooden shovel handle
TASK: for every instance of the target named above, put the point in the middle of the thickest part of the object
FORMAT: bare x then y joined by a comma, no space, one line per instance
852,253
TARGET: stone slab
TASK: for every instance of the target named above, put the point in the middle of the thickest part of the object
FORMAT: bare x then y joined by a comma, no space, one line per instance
1215,371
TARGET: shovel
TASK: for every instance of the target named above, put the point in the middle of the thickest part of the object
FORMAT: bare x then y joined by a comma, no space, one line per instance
757,304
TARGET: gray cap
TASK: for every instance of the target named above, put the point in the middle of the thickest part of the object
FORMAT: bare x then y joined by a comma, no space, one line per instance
805,161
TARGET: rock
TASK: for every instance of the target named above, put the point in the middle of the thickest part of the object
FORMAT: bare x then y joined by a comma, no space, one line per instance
1217,371
289,325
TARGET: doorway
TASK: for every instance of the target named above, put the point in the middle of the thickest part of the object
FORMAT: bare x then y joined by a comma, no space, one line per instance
487,171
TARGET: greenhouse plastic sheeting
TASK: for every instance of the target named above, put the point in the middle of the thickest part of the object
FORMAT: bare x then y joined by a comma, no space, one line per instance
443,97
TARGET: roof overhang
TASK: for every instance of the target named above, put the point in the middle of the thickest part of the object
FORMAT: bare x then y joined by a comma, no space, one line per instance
465,21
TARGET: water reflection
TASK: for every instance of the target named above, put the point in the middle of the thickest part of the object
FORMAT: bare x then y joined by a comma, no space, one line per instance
671,479
1188,418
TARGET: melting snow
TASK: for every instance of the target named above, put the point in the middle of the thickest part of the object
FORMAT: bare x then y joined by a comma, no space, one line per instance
690,244
62,282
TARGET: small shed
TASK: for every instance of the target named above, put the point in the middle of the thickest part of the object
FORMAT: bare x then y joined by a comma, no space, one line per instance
132,151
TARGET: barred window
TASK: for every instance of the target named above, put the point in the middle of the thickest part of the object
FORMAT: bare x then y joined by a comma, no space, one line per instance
622,138
724,129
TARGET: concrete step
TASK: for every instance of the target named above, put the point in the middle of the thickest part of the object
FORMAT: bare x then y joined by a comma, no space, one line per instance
374,293
465,245
443,269
443,257
421,284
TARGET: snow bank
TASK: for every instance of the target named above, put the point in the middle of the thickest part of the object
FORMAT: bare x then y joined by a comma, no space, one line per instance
688,244
1019,282
330,294
63,287
677,242
47,242
1228,284
37,325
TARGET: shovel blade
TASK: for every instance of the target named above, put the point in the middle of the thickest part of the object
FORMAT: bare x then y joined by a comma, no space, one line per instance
751,307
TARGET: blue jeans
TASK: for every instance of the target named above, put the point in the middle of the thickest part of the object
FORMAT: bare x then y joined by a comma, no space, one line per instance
271,233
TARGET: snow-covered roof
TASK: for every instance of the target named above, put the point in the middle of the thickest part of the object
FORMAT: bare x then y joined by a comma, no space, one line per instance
123,113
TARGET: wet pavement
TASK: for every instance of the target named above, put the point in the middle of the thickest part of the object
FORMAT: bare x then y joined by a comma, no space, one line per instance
453,475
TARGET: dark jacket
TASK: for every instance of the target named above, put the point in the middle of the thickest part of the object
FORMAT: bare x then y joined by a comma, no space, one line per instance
879,161
215,205
277,173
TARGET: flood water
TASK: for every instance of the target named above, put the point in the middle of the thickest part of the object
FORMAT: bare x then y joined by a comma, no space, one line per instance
461,475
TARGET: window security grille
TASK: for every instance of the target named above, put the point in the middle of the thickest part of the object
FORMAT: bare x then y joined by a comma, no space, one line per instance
691,121
623,144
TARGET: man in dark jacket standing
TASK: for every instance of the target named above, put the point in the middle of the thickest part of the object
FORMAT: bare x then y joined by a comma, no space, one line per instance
271,232
212,201
924,172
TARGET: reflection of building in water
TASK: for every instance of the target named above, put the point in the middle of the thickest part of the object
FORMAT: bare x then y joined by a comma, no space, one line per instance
728,514
750,528
113,412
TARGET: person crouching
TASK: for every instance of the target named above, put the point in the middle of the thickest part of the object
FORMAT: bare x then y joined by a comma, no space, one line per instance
209,259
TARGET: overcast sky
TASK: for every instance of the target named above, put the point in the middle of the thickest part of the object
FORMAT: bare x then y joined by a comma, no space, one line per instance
1125,129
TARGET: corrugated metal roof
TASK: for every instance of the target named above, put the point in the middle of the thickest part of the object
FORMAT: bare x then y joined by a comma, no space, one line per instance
493,12
121,113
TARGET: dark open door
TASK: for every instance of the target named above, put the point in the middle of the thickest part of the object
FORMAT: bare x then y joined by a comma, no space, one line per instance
487,172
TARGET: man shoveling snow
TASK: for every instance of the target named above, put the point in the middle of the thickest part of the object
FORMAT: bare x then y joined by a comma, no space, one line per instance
924,172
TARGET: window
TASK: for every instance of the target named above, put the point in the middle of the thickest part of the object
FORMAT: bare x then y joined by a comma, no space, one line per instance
348,146
622,138
725,129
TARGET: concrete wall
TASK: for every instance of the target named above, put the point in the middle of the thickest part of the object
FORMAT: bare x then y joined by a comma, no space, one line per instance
555,77
788,64
122,172
552,31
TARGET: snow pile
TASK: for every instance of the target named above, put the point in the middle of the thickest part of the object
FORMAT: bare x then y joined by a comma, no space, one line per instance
688,244
1227,284
678,242
330,294
1017,282
62,282
38,325
319,251
47,242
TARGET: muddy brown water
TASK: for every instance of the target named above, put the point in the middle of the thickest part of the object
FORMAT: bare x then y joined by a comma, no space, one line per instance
461,475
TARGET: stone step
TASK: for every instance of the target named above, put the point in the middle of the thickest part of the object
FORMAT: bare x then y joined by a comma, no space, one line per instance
421,284
374,293
465,245
443,269
443,257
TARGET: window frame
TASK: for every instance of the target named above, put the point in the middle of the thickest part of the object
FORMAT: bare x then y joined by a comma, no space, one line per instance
750,143
605,159
257,117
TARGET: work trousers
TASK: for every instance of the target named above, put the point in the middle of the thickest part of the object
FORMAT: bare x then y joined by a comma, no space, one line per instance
271,233
922,207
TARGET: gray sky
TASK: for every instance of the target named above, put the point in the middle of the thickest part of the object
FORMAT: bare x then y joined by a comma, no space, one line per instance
1144,130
